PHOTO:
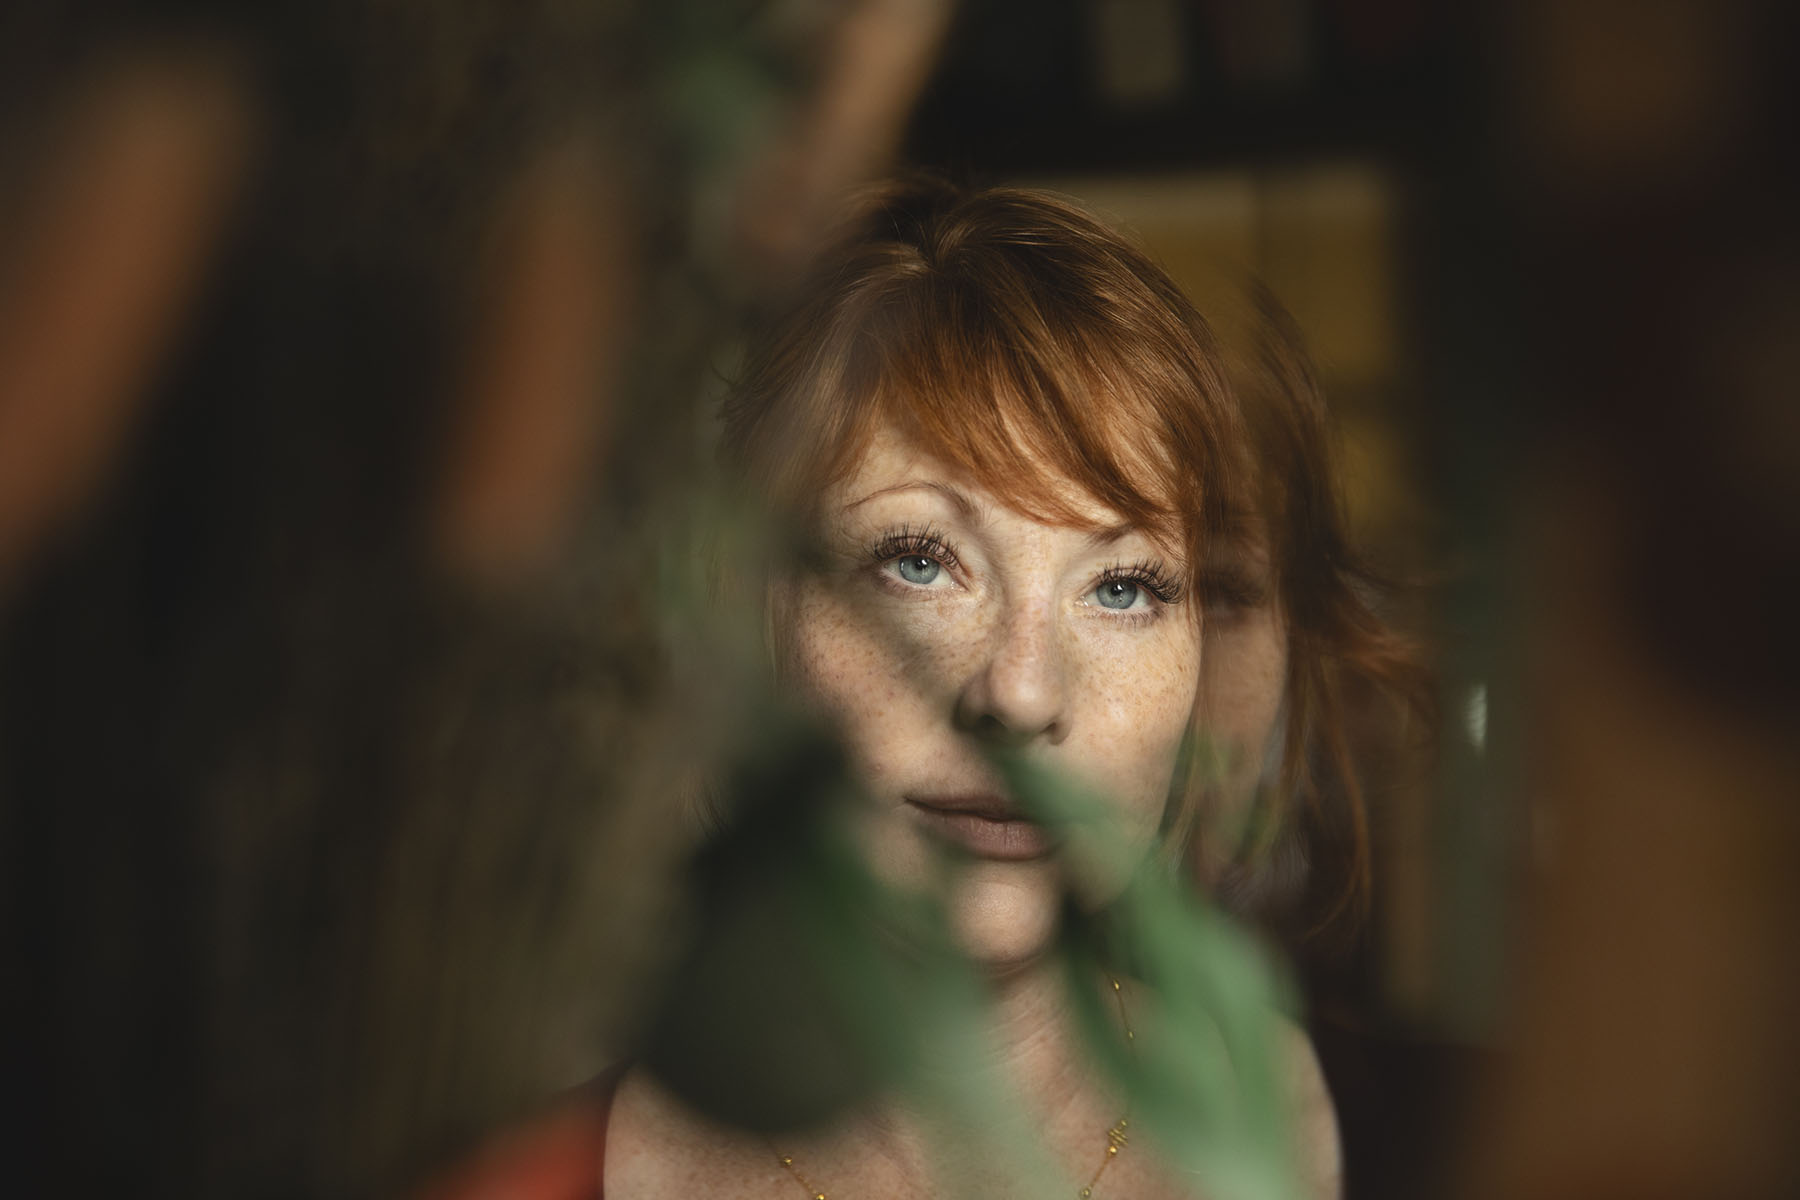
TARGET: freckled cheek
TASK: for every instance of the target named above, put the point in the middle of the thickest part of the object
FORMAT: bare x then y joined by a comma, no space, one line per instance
1141,702
882,676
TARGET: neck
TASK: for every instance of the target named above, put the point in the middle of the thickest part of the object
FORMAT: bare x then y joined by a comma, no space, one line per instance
1028,1048
1029,1024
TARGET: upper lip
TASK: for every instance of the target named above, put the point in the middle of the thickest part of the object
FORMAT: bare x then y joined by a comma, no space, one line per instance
990,805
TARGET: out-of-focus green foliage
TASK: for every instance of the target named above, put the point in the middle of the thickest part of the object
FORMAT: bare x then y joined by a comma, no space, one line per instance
810,985
1207,1081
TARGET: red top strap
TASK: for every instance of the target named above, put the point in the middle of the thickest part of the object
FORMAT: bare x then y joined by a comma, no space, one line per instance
558,1155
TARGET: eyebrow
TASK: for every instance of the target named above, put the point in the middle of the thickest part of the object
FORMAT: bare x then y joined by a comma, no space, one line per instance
1109,534
964,504
1104,536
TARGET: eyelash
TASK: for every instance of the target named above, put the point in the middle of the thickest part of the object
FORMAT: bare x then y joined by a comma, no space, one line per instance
1149,574
924,541
927,542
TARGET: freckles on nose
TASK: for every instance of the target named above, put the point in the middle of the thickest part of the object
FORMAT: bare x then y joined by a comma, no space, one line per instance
1020,683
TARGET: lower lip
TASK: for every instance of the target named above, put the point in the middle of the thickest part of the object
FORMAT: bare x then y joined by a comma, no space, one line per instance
1003,839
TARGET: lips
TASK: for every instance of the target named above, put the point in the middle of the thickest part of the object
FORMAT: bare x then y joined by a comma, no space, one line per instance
986,825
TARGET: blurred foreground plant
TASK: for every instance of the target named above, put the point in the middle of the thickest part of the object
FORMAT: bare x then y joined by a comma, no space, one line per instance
810,986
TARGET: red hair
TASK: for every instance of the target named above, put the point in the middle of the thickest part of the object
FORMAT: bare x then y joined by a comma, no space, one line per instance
1344,659
1009,334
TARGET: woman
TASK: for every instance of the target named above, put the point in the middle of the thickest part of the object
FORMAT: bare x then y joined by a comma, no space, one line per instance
1008,444
1006,438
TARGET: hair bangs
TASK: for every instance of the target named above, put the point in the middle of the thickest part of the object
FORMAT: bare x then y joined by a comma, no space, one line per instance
1011,336
1039,413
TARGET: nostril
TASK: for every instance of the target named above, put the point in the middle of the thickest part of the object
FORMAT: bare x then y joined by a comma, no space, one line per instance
1019,692
992,728
995,709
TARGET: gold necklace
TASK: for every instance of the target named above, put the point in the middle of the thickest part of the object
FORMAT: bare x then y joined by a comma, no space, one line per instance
1116,1136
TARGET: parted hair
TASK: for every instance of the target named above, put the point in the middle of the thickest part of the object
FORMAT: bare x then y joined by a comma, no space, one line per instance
1007,333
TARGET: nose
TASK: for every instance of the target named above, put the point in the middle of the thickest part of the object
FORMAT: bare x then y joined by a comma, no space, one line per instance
1019,691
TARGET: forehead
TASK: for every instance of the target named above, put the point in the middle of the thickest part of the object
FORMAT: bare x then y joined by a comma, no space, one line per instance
891,464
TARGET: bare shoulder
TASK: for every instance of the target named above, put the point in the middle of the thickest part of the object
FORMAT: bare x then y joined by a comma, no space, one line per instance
650,1140
1315,1118
658,1147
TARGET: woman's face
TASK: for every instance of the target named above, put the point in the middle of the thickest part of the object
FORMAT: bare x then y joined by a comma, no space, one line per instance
937,624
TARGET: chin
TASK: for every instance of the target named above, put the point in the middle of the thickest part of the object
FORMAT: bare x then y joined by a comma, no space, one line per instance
1005,915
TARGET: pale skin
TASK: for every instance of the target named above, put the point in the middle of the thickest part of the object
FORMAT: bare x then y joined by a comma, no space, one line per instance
936,623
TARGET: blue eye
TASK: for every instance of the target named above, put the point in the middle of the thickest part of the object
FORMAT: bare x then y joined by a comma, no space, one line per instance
917,569
1117,594
920,558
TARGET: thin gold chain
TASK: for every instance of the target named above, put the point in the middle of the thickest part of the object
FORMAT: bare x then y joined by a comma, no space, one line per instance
1116,1137
787,1160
